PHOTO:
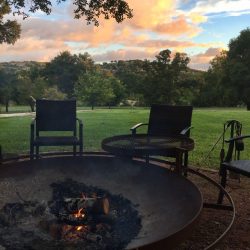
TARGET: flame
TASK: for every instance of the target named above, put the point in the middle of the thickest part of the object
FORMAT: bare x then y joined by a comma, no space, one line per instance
79,213
79,228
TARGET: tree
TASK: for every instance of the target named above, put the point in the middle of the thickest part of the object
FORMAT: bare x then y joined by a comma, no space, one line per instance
6,88
65,69
91,10
227,82
94,88
52,93
216,90
27,89
9,30
239,65
132,74
163,78
117,87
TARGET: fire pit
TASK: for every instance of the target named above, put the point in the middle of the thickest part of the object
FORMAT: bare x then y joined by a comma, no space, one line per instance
163,206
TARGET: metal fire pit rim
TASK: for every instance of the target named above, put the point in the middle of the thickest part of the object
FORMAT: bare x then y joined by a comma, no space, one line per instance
217,206
177,235
190,170
52,153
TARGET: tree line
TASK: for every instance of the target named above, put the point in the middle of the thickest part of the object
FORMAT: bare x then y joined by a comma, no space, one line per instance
109,84
165,80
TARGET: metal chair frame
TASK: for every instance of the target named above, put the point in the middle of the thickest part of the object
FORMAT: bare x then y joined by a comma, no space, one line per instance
169,120
231,160
55,115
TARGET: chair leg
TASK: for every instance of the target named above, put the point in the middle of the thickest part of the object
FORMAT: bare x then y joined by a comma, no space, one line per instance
37,152
223,173
31,151
74,150
81,149
185,164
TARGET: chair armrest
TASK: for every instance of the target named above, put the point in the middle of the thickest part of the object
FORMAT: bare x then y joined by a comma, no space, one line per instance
133,129
185,130
33,122
241,137
79,121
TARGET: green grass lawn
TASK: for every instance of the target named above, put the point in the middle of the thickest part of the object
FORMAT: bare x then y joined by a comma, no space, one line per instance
101,123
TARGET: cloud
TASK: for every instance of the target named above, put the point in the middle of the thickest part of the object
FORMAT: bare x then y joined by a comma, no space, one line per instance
197,17
125,54
222,6
166,44
74,31
149,13
162,16
31,49
157,25
201,61
178,27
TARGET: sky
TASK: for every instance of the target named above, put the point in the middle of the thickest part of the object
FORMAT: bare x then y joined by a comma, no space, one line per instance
199,28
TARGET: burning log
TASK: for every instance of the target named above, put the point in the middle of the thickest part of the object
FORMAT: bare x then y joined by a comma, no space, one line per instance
96,205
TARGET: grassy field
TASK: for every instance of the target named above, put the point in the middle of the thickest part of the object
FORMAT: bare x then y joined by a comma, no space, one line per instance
101,123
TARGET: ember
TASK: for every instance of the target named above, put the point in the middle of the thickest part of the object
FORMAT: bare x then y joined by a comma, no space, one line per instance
78,216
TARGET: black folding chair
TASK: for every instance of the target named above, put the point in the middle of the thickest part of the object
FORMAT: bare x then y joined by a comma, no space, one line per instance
168,120
230,161
55,115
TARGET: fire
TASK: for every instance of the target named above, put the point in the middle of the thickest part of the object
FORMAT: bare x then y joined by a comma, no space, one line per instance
79,213
79,228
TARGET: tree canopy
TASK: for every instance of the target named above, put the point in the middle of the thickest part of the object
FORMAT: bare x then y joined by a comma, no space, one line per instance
9,30
91,10
227,82
64,70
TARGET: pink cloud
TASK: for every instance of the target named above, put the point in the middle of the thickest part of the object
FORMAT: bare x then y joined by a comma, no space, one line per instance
32,49
122,54
166,44
155,26
178,27
201,61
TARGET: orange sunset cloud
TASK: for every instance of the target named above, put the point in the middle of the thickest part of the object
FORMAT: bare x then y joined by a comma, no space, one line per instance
156,25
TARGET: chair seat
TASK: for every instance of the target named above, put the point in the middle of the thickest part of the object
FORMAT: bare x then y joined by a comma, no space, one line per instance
56,140
239,166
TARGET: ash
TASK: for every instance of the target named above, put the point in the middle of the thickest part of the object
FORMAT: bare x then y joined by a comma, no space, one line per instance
37,224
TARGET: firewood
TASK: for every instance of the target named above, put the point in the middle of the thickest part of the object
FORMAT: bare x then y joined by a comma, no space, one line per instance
101,206
96,205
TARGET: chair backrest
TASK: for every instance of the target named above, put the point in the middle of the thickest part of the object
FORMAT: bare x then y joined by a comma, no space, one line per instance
55,115
169,120
234,147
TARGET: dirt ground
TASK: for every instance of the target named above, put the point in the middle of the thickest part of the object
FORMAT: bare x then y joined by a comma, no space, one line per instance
213,222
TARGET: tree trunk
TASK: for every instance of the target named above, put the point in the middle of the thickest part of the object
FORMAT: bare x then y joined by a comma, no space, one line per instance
32,107
248,106
7,106
32,103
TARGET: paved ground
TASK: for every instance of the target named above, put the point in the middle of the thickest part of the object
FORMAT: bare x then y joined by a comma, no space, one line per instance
32,113
16,114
